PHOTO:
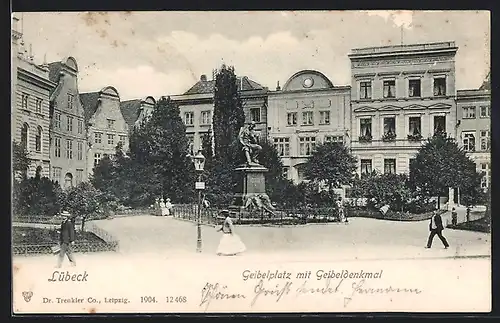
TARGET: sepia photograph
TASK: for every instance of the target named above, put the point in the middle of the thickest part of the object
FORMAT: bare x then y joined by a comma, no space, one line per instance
250,162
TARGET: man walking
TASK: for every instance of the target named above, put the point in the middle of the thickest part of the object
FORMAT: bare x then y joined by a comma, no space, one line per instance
436,228
66,239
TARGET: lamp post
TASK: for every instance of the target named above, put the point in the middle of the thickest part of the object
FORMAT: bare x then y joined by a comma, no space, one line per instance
199,165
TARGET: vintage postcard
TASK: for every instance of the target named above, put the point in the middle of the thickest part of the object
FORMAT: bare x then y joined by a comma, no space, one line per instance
270,162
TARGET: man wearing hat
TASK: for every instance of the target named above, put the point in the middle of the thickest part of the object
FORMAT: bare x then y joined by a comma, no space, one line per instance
67,238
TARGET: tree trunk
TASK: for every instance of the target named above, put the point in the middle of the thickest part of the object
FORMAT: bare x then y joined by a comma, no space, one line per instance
439,202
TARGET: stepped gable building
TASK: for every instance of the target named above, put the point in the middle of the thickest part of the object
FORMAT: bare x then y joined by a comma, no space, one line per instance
30,88
308,110
197,104
106,126
474,131
400,96
136,111
68,136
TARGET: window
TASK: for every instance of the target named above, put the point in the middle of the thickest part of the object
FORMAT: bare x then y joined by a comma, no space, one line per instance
469,141
122,139
306,145
414,88
485,180
255,114
97,159
24,136
98,137
439,124
79,153
292,118
390,127
485,111
70,101
57,146
68,180
324,117
282,145
79,176
390,89
38,105
411,163
365,127
57,120
69,149
337,139
206,117
389,166
189,118
286,171
307,118
485,139
111,124
366,166
365,90
469,112
80,126
24,101
38,139
190,139
111,139
415,126
56,174
69,125
440,86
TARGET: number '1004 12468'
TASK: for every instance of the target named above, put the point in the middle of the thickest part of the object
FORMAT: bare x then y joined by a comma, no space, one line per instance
148,299
177,299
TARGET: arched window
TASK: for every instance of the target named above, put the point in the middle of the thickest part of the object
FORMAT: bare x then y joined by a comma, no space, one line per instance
24,135
38,139
68,180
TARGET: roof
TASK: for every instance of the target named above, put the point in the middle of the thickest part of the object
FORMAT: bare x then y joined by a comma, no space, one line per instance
487,83
54,69
203,87
130,111
89,102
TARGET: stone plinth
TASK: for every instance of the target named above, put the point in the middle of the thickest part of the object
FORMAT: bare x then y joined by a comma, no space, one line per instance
252,184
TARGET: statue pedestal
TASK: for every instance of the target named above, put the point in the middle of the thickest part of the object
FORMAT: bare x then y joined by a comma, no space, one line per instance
252,185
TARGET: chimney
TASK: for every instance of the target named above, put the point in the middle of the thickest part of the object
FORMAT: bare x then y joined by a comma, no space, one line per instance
278,88
203,78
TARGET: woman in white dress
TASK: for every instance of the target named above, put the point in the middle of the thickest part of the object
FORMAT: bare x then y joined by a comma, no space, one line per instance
230,243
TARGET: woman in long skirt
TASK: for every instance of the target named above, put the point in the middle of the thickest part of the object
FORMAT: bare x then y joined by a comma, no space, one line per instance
230,243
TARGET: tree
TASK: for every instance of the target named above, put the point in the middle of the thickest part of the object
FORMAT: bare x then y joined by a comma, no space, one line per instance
83,201
20,159
440,164
162,146
228,112
332,164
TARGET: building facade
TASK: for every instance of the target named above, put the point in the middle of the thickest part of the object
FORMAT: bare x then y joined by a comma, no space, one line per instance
197,107
136,111
307,111
31,88
106,126
68,137
474,131
400,96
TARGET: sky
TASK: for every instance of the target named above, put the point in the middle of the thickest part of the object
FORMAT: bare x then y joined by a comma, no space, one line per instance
164,53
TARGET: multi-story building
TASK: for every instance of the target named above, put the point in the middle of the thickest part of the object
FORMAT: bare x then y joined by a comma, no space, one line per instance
31,88
68,138
400,96
474,130
136,111
197,105
308,110
106,126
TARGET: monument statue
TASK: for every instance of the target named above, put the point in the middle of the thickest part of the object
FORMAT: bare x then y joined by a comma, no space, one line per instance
251,148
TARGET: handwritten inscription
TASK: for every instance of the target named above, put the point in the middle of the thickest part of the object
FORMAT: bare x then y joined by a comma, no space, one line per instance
278,291
217,292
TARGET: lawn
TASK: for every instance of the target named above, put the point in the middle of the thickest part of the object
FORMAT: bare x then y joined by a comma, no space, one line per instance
38,240
480,225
